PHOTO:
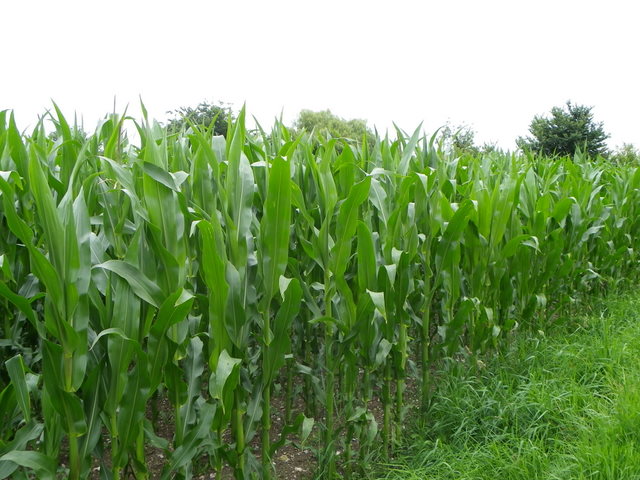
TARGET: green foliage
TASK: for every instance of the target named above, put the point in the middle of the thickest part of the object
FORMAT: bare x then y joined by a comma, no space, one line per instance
204,115
461,140
216,273
458,139
551,406
568,129
78,133
627,154
326,122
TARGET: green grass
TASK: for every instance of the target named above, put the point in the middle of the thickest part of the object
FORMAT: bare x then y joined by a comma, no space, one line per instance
562,406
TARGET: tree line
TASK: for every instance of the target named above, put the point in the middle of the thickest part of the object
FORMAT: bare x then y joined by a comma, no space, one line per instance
564,131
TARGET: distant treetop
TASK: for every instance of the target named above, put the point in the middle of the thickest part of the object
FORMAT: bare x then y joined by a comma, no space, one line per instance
326,121
568,129
204,115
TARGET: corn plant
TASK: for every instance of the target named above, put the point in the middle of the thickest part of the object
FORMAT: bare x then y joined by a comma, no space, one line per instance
210,281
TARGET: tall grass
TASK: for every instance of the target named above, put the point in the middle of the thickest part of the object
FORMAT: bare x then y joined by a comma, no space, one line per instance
563,406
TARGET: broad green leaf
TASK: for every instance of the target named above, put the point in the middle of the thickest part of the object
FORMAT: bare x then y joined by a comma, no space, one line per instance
281,343
275,227
16,370
511,247
346,225
44,466
224,380
409,151
366,258
131,414
140,284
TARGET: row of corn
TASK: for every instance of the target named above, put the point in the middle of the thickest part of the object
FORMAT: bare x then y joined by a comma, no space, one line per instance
213,276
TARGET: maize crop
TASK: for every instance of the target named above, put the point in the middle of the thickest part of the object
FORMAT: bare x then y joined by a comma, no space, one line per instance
220,273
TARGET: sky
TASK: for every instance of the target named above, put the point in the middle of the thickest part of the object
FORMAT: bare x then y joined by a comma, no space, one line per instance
488,64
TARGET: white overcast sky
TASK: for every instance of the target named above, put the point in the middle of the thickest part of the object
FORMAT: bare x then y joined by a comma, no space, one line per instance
490,64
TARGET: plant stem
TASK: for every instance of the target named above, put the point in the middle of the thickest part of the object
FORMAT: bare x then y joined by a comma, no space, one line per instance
74,457
400,383
329,388
114,448
288,406
141,474
425,341
366,397
266,397
238,428
386,399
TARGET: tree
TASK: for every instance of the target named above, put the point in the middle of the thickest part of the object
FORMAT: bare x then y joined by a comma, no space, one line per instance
204,115
326,121
626,154
459,139
78,133
568,129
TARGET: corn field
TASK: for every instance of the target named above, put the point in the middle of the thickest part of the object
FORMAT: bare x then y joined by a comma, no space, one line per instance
218,275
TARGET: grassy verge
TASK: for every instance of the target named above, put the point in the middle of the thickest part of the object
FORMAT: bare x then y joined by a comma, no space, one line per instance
562,406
